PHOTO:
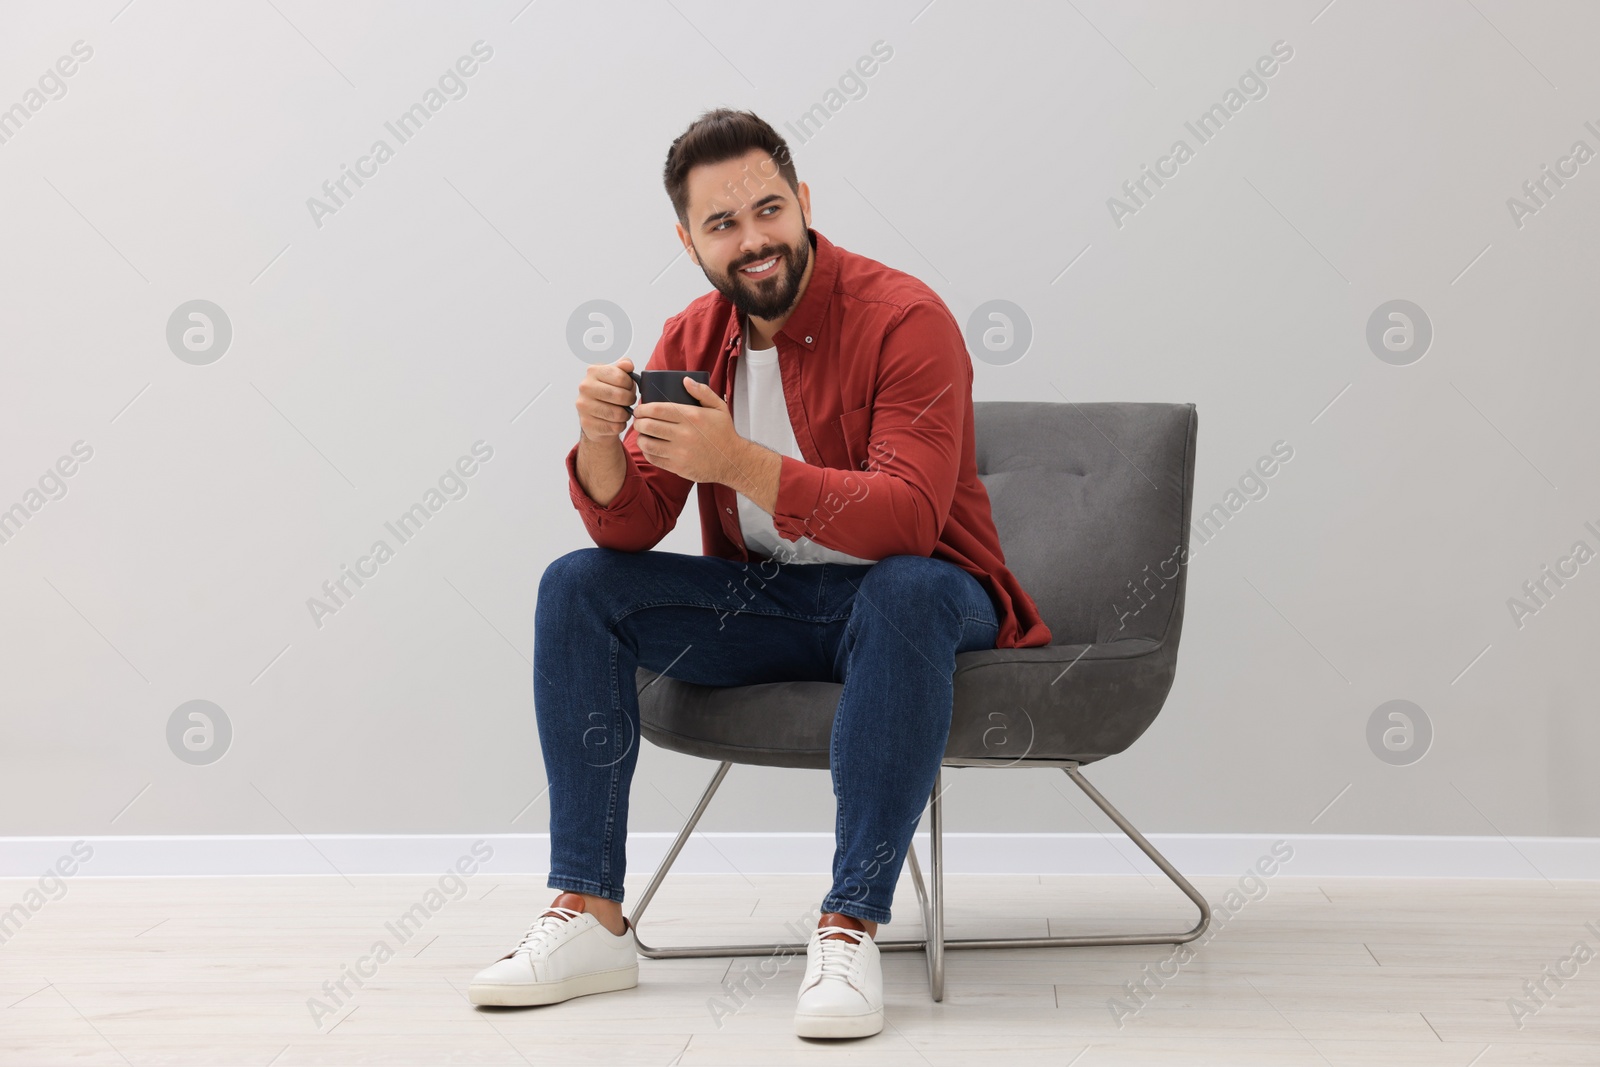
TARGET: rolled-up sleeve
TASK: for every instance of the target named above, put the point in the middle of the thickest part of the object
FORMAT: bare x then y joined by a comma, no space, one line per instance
897,505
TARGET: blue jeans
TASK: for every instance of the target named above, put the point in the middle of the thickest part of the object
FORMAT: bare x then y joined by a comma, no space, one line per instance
889,631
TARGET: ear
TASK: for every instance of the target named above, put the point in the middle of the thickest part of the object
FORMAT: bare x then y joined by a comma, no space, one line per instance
688,246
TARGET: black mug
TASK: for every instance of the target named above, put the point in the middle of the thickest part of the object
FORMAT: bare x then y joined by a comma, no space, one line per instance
667,385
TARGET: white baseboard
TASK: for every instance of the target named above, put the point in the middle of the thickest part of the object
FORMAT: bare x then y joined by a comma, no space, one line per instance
1199,855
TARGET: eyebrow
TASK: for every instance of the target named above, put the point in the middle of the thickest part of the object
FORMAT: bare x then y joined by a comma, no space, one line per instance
720,215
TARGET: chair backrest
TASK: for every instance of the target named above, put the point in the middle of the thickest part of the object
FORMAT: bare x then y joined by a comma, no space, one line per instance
1092,503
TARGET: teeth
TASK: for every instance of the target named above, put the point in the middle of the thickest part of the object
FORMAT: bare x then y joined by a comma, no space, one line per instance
761,269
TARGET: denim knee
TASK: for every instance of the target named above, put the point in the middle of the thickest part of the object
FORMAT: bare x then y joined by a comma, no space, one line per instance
567,577
914,586
570,567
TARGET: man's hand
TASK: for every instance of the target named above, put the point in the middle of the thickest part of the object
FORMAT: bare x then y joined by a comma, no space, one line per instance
697,443
604,399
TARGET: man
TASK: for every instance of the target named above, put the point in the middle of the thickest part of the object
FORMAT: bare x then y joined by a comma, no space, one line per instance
847,538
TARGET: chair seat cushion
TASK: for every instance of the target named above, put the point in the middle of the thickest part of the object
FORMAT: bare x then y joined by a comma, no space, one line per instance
1012,705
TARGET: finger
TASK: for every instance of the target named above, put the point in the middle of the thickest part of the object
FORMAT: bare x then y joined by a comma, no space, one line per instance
702,391
622,386
654,409
619,371
611,413
614,394
598,404
655,429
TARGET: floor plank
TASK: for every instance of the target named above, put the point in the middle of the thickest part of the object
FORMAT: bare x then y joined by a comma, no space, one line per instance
225,971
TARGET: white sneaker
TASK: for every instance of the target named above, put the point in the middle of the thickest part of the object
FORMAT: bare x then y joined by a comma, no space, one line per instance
841,994
563,955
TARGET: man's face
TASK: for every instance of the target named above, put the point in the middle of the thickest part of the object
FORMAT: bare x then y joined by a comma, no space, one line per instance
743,214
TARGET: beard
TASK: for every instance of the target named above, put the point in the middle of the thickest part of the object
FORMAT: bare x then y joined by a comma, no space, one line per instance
770,295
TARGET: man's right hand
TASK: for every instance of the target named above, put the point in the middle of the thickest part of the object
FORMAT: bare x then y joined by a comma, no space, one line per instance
605,400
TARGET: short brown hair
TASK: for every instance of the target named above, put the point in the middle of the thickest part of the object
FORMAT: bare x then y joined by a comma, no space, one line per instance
715,137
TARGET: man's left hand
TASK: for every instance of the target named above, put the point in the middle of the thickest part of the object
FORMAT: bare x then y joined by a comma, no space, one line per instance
696,443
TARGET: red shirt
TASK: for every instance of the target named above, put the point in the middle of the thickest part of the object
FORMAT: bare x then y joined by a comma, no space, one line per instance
878,383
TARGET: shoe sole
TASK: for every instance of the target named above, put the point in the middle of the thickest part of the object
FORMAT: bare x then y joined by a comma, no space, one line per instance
534,993
864,1025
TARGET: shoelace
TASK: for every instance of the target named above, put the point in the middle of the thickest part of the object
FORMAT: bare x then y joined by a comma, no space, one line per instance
539,934
840,957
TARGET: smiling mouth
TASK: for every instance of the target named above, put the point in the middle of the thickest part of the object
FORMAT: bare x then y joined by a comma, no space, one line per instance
757,270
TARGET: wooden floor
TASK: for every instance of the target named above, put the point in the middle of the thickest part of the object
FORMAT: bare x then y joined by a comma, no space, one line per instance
220,971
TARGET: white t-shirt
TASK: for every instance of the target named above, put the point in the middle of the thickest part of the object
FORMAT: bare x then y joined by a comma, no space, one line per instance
760,414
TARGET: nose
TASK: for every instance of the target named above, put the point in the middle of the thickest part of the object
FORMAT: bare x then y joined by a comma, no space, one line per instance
752,240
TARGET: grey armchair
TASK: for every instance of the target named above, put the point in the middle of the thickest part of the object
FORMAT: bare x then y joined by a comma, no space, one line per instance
1092,503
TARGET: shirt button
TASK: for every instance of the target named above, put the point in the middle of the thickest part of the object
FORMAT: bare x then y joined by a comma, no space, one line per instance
808,340
728,510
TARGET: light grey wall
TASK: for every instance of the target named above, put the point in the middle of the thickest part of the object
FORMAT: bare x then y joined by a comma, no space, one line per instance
374,346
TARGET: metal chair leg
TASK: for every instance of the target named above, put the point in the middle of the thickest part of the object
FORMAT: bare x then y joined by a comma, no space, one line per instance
931,897
767,949
918,885
935,928
661,874
1157,858
1146,847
